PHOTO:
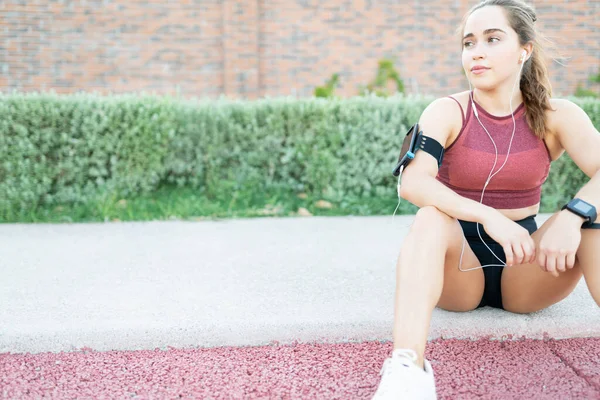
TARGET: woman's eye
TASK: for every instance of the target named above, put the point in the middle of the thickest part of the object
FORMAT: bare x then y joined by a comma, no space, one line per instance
491,39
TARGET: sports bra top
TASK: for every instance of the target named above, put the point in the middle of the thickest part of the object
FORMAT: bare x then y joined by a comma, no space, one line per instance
468,161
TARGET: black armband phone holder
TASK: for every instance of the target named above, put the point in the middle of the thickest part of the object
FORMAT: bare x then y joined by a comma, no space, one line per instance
413,142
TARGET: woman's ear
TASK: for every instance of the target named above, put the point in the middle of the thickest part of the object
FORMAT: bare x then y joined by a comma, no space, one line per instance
526,53
523,56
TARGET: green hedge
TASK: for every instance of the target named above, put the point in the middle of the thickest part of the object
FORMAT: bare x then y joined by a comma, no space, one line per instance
71,149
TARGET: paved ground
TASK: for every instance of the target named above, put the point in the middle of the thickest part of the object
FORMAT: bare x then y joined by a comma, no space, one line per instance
256,308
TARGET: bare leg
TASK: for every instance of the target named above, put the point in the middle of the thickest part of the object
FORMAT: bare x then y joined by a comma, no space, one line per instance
588,257
527,288
427,275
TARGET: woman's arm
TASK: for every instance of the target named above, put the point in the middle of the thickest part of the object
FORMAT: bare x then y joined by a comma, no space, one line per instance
581,140
576,134
419,184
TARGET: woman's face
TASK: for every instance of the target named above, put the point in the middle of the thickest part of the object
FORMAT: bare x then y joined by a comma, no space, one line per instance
491,50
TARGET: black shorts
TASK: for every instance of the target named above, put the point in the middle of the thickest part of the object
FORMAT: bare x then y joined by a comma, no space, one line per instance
492,293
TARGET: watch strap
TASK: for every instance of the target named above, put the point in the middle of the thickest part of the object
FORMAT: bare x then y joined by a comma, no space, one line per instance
587,225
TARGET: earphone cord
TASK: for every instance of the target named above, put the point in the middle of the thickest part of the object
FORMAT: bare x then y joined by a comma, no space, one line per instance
398,190
503,264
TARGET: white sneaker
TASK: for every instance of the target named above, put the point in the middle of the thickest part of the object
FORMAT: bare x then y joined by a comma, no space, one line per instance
402,378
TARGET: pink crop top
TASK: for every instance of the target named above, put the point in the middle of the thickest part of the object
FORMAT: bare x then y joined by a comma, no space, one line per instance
468,161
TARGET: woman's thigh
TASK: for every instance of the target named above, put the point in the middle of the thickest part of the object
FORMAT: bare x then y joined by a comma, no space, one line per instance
527,288
462,290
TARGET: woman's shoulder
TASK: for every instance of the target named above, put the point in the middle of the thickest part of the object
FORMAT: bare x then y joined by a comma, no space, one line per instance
445,109
443,116
447,104
561,110
561,107
464,95
462,98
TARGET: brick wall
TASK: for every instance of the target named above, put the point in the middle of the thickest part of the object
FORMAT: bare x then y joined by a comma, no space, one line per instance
255,48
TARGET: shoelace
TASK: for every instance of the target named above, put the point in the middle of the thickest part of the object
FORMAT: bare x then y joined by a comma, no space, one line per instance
400,357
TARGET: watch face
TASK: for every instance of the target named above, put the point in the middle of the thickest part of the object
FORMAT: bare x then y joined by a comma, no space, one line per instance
583,207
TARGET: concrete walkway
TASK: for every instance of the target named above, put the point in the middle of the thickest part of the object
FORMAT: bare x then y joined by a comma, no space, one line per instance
130,286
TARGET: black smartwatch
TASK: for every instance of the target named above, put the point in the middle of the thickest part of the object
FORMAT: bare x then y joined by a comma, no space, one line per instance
583,209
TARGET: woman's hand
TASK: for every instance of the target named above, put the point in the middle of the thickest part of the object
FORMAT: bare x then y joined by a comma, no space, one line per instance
560,242
518,245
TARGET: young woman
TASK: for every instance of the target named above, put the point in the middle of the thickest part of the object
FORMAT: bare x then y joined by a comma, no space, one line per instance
501,136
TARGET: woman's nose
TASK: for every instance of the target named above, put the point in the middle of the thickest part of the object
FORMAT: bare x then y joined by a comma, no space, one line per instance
478,54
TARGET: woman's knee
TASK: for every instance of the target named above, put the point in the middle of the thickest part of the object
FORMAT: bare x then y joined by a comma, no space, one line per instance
431,219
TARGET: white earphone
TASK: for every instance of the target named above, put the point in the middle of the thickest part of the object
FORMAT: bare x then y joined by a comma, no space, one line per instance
523,55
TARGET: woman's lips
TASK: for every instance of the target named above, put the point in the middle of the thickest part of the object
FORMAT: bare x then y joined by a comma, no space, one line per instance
479,70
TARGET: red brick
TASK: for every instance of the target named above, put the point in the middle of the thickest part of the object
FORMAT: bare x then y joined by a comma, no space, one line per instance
252,48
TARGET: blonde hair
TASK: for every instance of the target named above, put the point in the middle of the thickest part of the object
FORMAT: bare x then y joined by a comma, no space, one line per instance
535,84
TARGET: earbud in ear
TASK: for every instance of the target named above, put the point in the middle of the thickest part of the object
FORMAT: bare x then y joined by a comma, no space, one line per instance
523,55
